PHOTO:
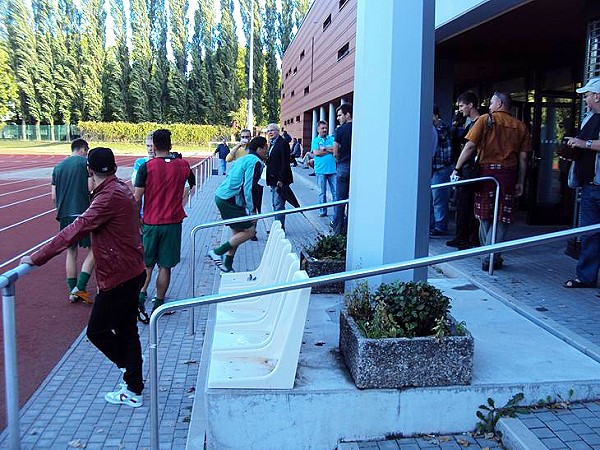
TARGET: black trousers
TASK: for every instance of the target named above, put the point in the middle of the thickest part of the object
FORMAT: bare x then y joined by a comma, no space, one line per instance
113,329
467,226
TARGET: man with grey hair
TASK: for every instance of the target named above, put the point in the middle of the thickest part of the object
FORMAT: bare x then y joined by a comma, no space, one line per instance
279,173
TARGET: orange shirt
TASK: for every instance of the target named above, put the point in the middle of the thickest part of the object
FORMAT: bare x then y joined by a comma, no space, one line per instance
506,138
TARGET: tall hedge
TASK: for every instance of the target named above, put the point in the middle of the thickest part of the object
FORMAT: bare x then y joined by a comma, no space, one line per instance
181,133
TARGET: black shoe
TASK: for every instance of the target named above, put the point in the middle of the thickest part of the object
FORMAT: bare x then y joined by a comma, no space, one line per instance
498,264
437,233
455,243
312,174
254,238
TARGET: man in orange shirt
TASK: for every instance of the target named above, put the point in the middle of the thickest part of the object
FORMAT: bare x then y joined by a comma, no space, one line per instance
502,143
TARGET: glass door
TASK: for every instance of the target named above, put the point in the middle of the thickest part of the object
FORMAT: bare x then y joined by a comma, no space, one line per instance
550,199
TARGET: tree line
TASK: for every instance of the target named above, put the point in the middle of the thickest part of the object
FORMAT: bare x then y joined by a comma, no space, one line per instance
56,67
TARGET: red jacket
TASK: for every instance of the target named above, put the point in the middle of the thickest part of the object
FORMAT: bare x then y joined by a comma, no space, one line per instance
111,220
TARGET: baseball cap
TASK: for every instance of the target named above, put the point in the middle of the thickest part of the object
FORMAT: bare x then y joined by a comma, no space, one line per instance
101,160
593,85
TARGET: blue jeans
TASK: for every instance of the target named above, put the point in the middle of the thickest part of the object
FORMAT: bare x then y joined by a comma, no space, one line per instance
439,200
322,181
278,205
589,259
222,166
342,191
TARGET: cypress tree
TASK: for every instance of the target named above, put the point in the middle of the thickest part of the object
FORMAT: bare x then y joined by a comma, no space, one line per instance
226,93
113,105
92,58
301,9
121,68
176,82
8,84
64,50
286,24
23,59
141,61
272,71
157,97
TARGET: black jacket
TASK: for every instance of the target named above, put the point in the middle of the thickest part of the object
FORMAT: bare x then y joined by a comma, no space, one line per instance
278,164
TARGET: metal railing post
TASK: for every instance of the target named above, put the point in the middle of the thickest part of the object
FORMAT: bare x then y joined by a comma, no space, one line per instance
11,374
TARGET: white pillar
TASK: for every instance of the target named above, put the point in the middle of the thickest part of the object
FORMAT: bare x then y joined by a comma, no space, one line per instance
322,113
391,157
342,101
313,131
332,121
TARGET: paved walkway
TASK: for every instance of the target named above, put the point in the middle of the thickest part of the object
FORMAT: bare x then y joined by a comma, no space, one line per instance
68,410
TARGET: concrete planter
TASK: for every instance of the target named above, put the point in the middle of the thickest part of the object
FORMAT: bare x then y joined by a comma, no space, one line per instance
404,362
316,267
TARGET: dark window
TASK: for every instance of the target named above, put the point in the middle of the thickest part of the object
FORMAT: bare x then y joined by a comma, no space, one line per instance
344,50
283,95
286,75
292,94
297,118
342,3
295,70
306,90
302,55
327,22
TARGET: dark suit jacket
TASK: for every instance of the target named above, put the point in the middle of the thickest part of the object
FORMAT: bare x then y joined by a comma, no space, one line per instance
278,164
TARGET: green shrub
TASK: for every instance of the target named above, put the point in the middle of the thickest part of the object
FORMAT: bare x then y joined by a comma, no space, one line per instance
328,246
181,133
399,309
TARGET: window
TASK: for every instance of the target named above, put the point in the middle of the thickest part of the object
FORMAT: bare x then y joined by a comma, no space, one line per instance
302,55
297,118
286,75
295,70
306,90
342,3
283,95
344,50
292,94
327,22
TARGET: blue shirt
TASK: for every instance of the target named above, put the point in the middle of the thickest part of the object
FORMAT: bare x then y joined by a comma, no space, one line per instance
324,165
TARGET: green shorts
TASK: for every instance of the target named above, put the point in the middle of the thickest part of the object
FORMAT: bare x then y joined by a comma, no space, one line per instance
230,210
162,245
85,241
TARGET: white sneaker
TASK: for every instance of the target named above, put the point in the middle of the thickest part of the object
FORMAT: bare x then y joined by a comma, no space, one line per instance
217,259
124,397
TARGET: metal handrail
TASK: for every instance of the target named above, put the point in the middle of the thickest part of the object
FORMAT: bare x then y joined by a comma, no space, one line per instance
344,276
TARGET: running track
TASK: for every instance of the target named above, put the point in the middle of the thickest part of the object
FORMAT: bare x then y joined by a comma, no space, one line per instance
47,324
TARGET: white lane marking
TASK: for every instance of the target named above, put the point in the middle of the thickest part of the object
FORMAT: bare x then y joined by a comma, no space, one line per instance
26,252
25,189
23,201
14,182
8,227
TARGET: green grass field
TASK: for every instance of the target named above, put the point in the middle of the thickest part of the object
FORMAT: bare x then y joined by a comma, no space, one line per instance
64,148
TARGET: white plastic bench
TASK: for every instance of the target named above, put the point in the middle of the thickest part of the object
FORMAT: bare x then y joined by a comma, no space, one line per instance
275,236
272,365
258,309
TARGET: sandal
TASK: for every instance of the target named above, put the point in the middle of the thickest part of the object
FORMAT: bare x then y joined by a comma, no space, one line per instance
575,283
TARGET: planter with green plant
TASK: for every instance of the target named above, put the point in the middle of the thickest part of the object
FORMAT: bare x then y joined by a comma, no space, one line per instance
325,256
402,335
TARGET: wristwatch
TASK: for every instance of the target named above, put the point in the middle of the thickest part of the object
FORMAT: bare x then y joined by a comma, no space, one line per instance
588,144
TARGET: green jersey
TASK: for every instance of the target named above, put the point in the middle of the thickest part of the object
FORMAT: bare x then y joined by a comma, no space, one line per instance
70,179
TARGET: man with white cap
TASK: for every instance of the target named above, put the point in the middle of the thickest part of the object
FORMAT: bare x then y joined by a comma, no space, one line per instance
587,176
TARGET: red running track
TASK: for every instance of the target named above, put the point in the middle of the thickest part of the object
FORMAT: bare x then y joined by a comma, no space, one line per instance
47,324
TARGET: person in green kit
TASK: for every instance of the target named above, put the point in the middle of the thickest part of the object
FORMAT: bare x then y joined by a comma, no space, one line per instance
235,197
71,186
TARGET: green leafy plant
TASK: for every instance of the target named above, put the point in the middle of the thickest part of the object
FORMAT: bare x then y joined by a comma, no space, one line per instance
328,246
399,309
489,414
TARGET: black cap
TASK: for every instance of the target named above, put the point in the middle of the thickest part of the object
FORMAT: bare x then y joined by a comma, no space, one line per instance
101,160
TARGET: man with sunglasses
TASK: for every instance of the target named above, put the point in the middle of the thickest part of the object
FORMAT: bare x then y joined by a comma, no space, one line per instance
502,143
241,149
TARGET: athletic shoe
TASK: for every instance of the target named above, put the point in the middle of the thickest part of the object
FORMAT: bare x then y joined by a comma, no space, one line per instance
217,259
124,397
156,303
81,295
226,269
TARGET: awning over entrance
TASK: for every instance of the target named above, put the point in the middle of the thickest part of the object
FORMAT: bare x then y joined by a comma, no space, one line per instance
539,34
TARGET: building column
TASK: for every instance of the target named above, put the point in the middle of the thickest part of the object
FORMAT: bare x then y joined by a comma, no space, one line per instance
322,113
331,118
391,158
342,101
313,131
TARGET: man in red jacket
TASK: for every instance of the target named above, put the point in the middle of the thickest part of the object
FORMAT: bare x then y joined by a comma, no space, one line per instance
120,272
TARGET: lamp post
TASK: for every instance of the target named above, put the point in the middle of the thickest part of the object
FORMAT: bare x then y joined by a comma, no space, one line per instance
250,116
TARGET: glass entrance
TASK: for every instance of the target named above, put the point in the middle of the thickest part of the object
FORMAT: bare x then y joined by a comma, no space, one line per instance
550,199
